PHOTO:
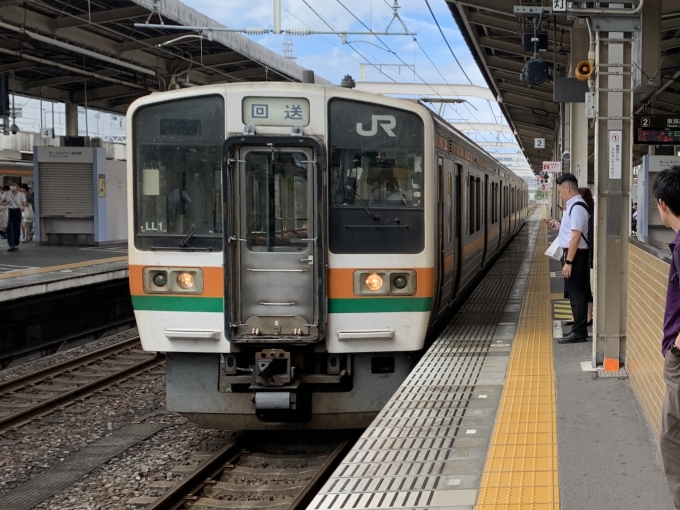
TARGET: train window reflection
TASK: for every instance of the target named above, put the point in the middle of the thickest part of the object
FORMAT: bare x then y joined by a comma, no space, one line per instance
379,179
276,205
177,162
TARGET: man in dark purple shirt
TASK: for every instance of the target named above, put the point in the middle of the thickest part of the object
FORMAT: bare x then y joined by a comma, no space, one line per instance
666,190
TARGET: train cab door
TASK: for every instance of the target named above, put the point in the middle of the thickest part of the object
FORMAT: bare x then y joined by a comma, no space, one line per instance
274,264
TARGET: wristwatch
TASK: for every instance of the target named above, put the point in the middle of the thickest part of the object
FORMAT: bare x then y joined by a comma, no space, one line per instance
675,351
567,262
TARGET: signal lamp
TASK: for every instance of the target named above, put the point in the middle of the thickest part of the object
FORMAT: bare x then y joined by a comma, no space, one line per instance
185,280
160,280
374,282
400,282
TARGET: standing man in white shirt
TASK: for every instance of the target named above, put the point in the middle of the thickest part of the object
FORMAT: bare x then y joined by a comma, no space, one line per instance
575,261
15,202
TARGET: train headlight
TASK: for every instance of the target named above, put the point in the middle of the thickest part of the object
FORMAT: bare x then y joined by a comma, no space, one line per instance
172,280
384,282
374,282
185,280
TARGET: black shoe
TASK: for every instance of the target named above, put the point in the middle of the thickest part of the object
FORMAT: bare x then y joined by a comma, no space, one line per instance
12,249
573,338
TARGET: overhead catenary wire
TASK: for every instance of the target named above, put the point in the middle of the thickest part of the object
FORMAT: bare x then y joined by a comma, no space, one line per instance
446,41
329,25
404,62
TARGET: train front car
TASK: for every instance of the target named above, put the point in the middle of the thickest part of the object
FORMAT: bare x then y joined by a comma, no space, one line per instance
281,254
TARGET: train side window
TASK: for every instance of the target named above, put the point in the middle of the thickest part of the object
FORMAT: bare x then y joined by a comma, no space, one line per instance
471,203
478,205
449,207
494,202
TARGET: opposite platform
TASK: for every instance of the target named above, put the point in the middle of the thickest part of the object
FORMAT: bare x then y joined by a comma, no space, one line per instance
38,269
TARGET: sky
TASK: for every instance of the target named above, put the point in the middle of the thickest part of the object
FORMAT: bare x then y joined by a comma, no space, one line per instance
424,57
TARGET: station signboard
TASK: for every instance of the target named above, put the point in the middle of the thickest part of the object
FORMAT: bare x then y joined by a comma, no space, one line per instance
656,129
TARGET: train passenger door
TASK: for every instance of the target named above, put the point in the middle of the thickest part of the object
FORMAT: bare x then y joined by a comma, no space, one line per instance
272,260
447,231
485,219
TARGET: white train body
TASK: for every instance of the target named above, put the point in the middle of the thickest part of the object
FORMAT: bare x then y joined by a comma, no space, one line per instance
292,245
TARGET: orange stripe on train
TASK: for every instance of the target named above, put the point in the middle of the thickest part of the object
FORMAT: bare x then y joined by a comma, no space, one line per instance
213,281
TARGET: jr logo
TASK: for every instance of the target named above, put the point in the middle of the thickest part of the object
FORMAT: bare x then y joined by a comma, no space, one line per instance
387,122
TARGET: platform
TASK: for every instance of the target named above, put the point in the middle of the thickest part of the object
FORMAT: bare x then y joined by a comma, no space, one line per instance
39,269
498,415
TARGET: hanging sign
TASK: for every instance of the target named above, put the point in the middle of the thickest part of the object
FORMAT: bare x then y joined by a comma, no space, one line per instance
552,166
559,5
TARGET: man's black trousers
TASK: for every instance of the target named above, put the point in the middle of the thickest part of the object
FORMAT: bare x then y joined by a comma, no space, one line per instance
577,289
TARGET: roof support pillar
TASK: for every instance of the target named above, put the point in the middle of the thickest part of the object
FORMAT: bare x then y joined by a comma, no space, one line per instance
613,169
578,123
71,119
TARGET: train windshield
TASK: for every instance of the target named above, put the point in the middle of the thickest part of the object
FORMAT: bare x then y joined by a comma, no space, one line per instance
376,176
177,161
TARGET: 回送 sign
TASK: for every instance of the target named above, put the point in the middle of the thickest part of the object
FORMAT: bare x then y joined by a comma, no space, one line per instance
276,111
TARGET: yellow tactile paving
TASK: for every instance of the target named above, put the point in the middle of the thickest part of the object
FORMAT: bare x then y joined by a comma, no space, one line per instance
562,308
38,270
521,467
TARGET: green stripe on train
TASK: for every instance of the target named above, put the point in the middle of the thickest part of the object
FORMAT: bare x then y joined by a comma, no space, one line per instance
178,304
372,305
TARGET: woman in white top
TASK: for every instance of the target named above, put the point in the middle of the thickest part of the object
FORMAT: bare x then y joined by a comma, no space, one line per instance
15,201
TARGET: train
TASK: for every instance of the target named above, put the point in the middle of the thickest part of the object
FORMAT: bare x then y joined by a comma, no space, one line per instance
293,246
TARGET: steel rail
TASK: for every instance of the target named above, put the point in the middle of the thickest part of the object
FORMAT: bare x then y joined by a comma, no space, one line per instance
60,368
47,406
190,485
305,497
205,474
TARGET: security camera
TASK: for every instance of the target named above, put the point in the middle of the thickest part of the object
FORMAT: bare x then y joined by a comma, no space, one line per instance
566,155
14,129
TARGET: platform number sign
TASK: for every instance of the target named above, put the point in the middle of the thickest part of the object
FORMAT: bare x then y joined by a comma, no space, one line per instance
559,5
47,133
539,143
645,122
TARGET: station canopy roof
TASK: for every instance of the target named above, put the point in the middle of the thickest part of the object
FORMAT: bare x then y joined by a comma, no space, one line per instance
90,51
495,37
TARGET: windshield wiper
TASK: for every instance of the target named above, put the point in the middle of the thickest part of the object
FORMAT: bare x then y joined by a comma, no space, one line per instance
183,242
363,204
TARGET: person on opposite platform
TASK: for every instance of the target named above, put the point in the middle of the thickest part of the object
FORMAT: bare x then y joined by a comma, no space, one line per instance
575,261
16,202
666,189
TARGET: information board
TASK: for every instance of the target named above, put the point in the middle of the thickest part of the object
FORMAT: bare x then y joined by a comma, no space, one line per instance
656,130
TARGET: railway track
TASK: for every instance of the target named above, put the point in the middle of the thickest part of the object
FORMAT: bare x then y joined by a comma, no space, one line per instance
36,394
283,473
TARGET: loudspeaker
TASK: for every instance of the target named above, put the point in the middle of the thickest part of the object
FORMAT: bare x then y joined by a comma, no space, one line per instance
583,70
